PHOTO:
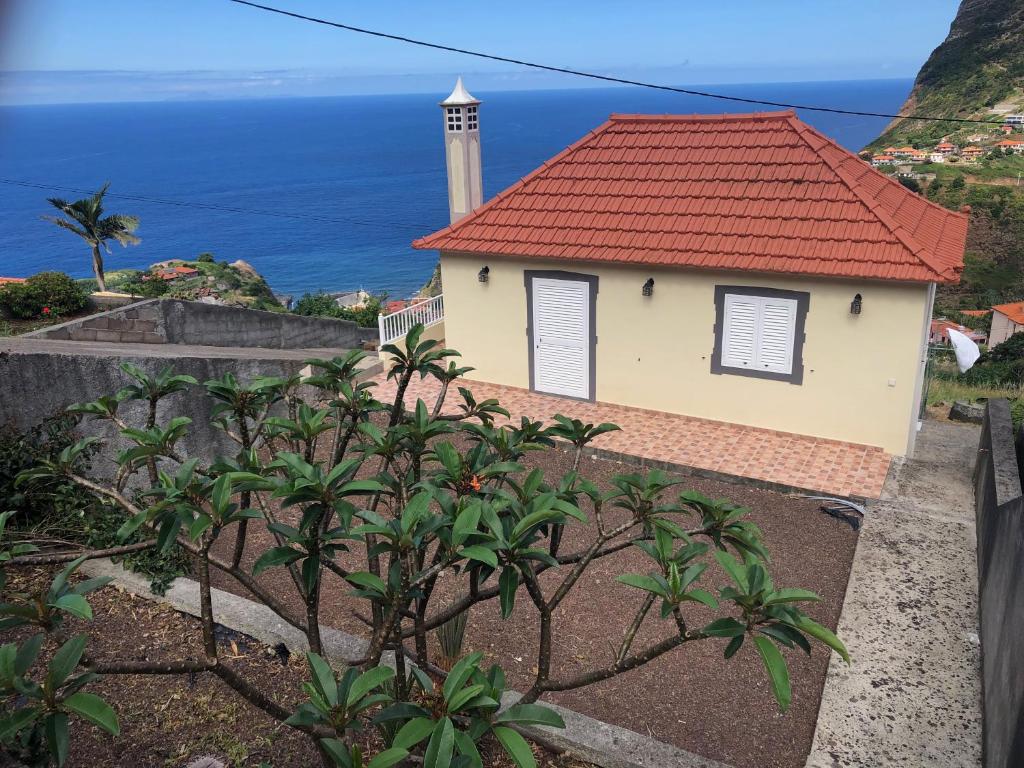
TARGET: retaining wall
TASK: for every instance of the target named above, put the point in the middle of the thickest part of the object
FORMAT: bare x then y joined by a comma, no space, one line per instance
1000,523
174,321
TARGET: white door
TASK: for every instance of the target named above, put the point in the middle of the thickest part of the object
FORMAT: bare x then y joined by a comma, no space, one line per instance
561,337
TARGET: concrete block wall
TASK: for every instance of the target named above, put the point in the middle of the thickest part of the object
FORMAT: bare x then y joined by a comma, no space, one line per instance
173,321
138,323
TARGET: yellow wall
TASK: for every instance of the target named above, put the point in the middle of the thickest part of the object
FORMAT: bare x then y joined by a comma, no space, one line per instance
860,371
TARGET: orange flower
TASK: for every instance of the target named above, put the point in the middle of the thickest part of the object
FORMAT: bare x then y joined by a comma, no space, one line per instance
474,483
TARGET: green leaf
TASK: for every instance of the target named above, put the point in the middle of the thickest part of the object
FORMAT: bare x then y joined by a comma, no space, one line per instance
792,596
508,583
726,627
388,757
338,752
75,605
276,556
369,581
825,635
777,672
531,713
441,745
27,654
516,747
323,678
734,645
19,719
55,728
646,583
480,554
465,746
459,700
413,732
737,572
95,710
65,660
367,682
702,596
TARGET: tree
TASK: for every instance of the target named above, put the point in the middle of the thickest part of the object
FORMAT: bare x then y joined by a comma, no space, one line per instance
85,218
416,493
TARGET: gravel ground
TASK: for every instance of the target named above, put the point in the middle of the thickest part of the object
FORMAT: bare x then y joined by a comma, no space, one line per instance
173,720
691,697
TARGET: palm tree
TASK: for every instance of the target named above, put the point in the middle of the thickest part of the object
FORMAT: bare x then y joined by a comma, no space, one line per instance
85,219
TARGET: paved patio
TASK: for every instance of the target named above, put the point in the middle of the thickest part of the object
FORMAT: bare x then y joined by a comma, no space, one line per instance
780,458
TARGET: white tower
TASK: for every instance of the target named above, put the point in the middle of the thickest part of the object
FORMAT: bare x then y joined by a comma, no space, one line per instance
462,152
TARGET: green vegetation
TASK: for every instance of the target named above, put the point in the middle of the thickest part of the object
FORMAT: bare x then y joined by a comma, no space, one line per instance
395,500
85,219
979,65
323,305
44,296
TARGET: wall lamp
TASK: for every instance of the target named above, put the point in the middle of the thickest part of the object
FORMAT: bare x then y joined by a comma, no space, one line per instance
648,289
856,305
483,274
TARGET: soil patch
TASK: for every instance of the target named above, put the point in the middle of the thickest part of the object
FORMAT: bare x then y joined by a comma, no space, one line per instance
172,720
691,697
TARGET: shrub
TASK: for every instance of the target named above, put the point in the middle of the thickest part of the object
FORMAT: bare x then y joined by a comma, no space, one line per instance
1009,350
414,497
323,305
151,289
205,258
45,294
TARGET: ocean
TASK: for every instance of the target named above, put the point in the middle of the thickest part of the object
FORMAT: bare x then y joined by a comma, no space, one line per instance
328,192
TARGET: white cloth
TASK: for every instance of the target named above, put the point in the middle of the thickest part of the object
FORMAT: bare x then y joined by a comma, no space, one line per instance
967,352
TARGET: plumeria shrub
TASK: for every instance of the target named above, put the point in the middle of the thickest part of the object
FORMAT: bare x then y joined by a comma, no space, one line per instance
389,497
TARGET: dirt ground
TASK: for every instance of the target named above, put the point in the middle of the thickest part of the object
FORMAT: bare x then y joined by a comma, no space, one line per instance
691,697
171,721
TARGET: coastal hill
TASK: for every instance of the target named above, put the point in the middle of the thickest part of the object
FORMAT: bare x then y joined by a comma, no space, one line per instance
977,72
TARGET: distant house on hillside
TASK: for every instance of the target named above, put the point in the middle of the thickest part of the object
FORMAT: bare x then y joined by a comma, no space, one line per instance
9,280
937,157
972,153
945,148
1014,145
1014,119
1007,319
939,333
738,268
174,273
878,160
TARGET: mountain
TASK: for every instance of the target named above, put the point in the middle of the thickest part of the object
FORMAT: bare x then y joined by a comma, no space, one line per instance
977,72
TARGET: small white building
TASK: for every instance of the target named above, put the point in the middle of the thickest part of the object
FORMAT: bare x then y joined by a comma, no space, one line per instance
936,157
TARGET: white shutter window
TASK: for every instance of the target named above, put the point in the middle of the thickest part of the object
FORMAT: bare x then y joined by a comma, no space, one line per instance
775,343
561,335
739,340
758,333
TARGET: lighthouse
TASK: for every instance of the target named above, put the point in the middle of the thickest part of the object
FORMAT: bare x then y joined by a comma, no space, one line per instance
462,151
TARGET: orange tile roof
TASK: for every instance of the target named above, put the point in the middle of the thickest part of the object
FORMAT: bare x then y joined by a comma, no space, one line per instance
760,192
975,312
1013,310
6,280
1009,143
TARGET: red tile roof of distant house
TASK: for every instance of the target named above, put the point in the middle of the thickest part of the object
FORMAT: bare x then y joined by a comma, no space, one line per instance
759,192
975,312
395,306
1013,310
1010,143
940,327
174,273
944,145
7,280
883,158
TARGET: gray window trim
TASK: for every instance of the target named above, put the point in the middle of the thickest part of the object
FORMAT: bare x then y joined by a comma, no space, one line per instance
803,300
557,274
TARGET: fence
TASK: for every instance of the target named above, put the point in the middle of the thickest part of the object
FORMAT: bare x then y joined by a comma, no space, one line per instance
395,326
1000,524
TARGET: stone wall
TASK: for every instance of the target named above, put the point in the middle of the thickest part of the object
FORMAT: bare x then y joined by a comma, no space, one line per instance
138,323
1000,521
173,321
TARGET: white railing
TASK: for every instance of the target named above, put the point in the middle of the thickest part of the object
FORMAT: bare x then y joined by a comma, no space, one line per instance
394,326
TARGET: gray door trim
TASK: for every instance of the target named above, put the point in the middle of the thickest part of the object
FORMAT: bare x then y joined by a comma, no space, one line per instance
556,274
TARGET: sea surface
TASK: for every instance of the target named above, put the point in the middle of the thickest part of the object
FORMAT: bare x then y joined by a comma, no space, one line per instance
327,193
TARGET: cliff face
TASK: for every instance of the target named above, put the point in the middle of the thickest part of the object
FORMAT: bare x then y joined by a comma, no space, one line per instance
977,71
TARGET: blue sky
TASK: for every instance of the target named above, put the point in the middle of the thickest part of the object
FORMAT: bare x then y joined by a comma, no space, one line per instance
161,49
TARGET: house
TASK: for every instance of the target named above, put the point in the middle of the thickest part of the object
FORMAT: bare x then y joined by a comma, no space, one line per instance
972,153
1006,128
916,156
939,333
350,299
738,268
1014,119
174,273
878,160
945,148
9,280
1007,319
1014,145
937,157
976,312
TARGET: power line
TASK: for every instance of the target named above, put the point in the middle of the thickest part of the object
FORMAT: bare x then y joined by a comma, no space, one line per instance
595,76
226,208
